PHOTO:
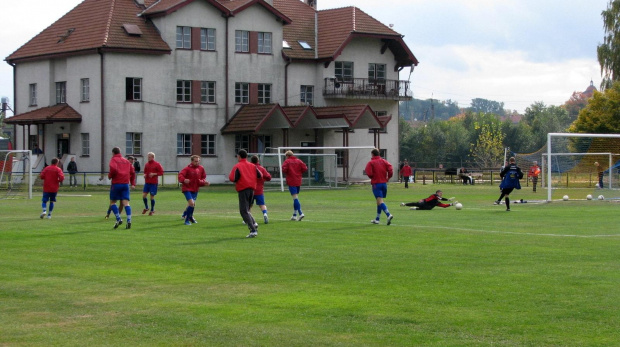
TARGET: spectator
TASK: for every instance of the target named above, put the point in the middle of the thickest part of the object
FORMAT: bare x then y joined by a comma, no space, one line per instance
405,172
73,169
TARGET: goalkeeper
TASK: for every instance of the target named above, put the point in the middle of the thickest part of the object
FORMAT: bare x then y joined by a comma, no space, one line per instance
430,202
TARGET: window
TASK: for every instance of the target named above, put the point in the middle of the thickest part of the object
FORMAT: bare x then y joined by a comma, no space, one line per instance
184,144
85,144
339,157
184,37
207,144
344,71
207,39
33,94
242,93
263,143
133,143
376,73
306,95
242,142
304,45
264,43
184,91
84,90
61,92
264,93
207,92
383,153
133,89
242,41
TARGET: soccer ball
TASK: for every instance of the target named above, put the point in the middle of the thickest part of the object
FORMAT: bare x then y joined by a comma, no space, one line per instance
589,197
565,198
458,206
600,197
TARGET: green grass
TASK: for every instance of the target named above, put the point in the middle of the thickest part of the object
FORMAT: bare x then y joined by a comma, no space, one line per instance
540,275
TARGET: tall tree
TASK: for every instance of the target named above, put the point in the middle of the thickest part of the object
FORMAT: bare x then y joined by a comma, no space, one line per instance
480,105
609,51
488,151
544,119
602,114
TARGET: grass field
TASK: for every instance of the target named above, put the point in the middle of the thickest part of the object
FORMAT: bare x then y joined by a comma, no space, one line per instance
540,275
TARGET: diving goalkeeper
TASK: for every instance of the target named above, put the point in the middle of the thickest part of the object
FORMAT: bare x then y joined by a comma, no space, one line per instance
430,202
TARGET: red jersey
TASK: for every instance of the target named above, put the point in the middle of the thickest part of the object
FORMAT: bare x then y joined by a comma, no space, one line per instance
194,174
245,175
406,171
534,171
152,167
260,184
52,176
294,168
434,200
121,171
379,170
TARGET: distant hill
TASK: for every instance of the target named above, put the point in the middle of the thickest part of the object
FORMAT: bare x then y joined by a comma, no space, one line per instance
425,110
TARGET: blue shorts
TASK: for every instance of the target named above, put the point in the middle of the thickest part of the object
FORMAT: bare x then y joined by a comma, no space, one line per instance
379,190
190,195
49,197
119,191
150,188
294,190
260,199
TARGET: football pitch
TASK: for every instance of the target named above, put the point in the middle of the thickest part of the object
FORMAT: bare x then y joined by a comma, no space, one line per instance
539,275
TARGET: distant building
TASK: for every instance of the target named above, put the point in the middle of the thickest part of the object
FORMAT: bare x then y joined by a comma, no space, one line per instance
589,92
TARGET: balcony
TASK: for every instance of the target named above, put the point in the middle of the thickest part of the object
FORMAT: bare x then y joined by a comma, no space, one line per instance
363,88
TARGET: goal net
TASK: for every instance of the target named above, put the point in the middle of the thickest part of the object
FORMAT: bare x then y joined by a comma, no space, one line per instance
571,161
16,178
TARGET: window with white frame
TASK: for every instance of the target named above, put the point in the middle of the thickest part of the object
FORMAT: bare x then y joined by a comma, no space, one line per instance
33,94
133,88
207,92
61,92
84,90
184,37
306,95
376,73
343,71
339,157
184,91
242,41
264,43
242,93
184,144
207,144
207,39
242,142
85,137
264,93
133,143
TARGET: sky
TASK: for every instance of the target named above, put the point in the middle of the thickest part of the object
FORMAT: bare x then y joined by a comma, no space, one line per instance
513,51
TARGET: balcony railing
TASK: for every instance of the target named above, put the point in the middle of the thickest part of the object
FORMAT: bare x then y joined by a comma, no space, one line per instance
363,88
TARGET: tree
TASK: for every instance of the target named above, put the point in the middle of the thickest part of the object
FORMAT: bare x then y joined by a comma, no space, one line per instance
576,103
479,105
544,119
488,151
602,114
608,52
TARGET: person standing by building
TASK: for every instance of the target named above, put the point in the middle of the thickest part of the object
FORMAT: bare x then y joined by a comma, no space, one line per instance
73,169
405,173
379,171
510,174
600,172
294,168
259,192
135,163
152,171
533,174
52,176
192,177
429,203
122,175
246,176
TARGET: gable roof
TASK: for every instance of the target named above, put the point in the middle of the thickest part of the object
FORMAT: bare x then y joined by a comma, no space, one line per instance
301,29
253,118
50,114
90,26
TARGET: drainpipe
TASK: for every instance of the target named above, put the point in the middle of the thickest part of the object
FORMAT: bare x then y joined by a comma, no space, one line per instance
288,62
226,72
14,139
102,97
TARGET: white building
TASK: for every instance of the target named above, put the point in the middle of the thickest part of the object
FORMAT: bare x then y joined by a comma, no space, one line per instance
182,77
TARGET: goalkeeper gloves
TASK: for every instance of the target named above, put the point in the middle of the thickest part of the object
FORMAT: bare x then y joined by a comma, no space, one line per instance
450,199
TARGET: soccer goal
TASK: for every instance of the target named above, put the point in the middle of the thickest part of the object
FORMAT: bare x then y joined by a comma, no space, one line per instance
16,178
329,167
570,161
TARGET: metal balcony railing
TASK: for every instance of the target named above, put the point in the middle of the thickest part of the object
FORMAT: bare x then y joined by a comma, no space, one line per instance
364,88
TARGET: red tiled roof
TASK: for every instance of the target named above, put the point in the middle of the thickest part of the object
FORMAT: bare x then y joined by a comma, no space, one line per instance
94,24
51,114
301,28
252,118
359,116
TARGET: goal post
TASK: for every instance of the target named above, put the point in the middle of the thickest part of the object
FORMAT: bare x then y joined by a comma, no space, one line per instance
346,159
321,169
16,177
571,160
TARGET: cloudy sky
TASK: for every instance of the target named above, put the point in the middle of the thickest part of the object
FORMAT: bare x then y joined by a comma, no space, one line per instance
512,51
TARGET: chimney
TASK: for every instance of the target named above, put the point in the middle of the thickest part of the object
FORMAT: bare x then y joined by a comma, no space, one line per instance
311,3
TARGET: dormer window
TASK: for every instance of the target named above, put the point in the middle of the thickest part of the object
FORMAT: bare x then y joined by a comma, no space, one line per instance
132,29
304,45
285,44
